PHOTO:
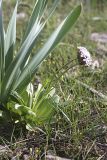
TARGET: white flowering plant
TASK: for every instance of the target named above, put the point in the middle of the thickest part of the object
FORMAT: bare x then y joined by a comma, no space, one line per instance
84,56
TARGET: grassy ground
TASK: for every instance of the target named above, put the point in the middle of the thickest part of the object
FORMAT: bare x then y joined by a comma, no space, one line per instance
79,130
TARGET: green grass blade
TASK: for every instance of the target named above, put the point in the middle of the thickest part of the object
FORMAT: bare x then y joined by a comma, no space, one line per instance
10,38
54,39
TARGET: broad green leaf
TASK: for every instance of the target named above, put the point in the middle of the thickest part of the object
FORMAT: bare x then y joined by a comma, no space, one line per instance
45,110
53,40
10,38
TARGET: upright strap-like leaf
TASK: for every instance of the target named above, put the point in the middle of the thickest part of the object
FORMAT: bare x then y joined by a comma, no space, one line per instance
19,61
54,39
14,69
36,14
35,22
2,56
10,38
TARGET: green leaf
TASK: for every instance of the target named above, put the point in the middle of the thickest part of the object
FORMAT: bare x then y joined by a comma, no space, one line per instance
19,73
2,56
10,38
22,56
53,40
14,69
45,110
35,16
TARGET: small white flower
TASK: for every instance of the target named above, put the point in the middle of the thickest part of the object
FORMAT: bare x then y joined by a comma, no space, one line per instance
84,56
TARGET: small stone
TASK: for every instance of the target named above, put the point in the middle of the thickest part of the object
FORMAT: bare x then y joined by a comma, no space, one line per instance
99,37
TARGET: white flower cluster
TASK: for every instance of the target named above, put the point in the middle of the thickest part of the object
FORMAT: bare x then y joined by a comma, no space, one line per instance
84,56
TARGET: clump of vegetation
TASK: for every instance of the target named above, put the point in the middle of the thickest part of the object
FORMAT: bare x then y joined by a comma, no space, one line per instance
18,69
73,122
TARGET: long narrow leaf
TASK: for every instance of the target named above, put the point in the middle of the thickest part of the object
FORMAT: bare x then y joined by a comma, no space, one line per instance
36,14
21,58
12,77
37,26
54,39
10,38
2,56
14,69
